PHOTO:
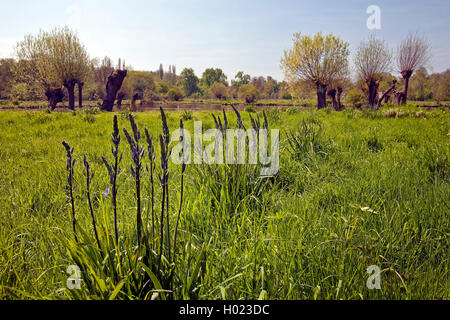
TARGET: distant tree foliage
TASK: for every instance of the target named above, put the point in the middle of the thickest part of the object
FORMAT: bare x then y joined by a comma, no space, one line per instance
419,86
175,94
249,93
141,82
6,76
102,70
439,86
188,81
218,91
52,64
171,75
161,72
211,76
240,79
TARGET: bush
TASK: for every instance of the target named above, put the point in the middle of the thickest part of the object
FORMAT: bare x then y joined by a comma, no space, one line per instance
195,96
286,96
150,95
175,94
89,118
19,92
162,87
355,98
249,93
218,91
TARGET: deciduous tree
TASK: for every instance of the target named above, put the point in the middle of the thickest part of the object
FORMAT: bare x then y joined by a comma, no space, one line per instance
412,53
7,67
317,59
372,60
57,58
218,91
240,79
188,81
211,76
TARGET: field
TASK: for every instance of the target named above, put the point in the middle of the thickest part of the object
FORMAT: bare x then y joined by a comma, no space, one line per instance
359,188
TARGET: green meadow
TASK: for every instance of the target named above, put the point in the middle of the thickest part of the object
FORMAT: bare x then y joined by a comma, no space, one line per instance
355,189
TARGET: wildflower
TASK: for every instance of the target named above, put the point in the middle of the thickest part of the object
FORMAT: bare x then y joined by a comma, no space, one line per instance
106,193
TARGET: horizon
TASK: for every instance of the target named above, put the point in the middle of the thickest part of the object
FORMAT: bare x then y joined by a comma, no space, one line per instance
249,37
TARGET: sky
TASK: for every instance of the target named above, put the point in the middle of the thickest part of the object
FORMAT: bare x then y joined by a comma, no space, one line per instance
234,35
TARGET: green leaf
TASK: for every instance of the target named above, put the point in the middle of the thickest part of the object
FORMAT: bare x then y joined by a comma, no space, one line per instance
154,279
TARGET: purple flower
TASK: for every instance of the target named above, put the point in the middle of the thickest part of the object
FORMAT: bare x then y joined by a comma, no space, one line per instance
106,193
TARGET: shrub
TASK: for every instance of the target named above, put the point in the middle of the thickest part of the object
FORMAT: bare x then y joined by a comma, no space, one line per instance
89,118
125,114
19,92
355,98
286,96
175,94
249,93
195,96
162,87
150,95
218,91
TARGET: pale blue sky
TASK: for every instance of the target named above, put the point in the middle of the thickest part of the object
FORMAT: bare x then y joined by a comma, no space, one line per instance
247,35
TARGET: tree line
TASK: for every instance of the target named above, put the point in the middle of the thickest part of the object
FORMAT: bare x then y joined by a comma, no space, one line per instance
322,62
54,64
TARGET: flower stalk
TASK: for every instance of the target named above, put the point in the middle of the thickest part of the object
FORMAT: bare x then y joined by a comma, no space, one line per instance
89,176
114,171
69,168
137,154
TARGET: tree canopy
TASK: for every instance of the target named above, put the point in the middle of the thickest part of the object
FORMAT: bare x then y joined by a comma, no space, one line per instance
240,79
188,81
412,53
318,59
55,58
211,76
372,60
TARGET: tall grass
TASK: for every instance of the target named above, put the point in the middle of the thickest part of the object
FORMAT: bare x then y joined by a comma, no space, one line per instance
311,235
308,141
233,188
118,269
